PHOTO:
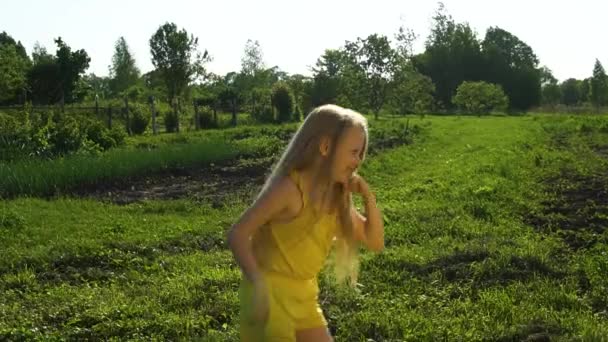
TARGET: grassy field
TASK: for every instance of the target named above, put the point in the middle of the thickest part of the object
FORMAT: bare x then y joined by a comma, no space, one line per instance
496,229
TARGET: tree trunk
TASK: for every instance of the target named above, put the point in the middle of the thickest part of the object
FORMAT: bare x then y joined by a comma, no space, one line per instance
197,118
234,113
176,113
153,117
128,124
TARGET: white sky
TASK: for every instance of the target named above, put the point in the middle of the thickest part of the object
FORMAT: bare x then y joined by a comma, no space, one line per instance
566,36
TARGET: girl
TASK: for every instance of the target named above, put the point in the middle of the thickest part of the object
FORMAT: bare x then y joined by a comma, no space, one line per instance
281,241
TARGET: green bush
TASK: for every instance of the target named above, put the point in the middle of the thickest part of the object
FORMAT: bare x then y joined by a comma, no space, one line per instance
66,137
171,120
118,135
99,134
139,118
47,134
262,113
480,97
14,139
282,100
206,117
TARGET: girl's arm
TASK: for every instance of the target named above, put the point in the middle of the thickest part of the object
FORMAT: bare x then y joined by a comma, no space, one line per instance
261,212
369,229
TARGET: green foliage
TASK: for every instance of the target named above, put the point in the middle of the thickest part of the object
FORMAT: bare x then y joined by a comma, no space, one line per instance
23,177
118,135
376,60
263,113
66,137
570,92
13,69
123,71
71,66
171,121
513,64
10,220
64,69
99,134
139,118
282,100
206,117
175,56
328,81
261,108
452,55
599,85
551,94
413,92
480,97
51,133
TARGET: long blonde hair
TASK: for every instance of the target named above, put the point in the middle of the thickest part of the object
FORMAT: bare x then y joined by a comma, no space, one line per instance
302,151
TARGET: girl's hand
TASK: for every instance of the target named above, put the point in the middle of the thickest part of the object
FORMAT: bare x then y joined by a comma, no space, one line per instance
357,184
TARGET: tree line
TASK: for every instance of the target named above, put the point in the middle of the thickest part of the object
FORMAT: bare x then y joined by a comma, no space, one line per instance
456,71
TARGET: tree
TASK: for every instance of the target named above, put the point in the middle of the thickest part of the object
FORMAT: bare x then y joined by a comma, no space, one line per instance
327,77
254,79
412,92
599,86
229,94
123,71
570,92
282,100
55,78
551,93
376,60
585,87
513,64
253,58
405,38
175,55
13,72
14,65
546,76
298,85
7,40
480,97
71,66
99,85
452,55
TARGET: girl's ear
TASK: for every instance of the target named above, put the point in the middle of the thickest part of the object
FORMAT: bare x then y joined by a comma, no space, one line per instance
324,146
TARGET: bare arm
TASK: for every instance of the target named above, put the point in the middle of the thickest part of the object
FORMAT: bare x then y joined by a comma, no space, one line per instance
369,229
260,213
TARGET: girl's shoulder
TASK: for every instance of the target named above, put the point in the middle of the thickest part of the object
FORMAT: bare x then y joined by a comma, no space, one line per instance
287,190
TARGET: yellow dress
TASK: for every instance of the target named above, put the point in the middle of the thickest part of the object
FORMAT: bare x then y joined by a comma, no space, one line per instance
290,256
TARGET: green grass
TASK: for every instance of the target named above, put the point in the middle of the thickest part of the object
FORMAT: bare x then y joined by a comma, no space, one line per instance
46,177
464,259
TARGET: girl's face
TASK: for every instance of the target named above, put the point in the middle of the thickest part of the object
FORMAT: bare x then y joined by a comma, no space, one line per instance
347,154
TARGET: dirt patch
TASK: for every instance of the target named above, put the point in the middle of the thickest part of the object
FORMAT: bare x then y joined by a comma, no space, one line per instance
579,212
211,183
602,150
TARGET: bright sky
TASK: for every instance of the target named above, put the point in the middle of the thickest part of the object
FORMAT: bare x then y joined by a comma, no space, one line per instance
566,36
